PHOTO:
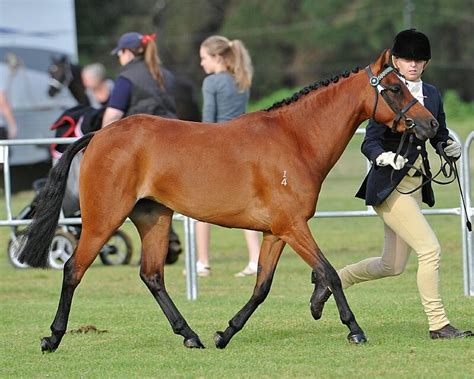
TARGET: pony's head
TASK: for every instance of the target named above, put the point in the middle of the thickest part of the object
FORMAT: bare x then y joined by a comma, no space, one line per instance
60,74
393,103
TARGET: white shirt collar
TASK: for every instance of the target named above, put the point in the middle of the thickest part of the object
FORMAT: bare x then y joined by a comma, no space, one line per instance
415,88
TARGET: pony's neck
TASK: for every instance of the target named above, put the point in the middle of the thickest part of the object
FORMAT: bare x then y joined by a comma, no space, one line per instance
329,118
76,87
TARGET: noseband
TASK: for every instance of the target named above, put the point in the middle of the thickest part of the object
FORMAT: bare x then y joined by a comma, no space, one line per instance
376,83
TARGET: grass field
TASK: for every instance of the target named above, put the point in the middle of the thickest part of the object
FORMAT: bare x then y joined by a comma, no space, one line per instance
280,340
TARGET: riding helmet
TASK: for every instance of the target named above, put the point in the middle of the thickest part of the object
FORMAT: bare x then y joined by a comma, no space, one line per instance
411,44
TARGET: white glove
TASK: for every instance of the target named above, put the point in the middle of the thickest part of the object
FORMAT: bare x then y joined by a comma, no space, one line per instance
453,149
387,158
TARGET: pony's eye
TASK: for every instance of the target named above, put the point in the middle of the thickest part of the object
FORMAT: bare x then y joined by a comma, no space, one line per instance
394,88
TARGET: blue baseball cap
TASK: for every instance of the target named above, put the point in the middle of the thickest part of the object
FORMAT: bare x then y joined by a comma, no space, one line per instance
130,40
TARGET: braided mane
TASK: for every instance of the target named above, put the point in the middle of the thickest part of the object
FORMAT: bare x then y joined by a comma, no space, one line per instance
312,87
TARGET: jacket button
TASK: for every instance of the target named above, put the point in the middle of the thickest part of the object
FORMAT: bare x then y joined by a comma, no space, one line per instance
418,148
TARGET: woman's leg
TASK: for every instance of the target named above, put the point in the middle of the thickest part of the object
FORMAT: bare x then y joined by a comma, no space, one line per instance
402,213
203,234
392,262
253,246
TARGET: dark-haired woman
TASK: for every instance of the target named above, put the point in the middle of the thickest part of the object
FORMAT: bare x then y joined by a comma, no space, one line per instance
143,85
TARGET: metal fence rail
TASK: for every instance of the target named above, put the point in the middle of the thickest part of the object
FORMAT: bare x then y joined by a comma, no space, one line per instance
468,248
189,224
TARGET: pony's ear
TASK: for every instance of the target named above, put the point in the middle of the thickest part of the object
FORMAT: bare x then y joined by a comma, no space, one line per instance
382,62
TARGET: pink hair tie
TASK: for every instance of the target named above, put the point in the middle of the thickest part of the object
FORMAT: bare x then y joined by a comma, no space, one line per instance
147,38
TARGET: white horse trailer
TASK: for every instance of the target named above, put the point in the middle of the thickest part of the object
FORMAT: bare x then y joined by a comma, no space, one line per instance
31,33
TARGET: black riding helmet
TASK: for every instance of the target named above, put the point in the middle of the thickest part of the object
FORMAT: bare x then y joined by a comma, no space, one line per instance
411,44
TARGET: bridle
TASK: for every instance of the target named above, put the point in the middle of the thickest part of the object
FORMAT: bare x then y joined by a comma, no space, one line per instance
379,88
448,168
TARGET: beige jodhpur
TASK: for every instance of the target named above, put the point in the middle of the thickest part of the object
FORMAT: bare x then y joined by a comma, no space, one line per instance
405,228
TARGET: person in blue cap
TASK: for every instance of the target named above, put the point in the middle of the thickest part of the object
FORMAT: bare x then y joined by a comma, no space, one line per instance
143,86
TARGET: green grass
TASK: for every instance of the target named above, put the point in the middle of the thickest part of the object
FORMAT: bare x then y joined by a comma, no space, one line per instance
280,340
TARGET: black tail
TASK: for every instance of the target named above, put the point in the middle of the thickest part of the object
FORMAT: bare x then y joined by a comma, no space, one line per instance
36,241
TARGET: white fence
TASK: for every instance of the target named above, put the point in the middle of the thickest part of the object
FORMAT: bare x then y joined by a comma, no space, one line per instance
189,224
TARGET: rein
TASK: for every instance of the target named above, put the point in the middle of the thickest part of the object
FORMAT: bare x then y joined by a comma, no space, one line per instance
448,168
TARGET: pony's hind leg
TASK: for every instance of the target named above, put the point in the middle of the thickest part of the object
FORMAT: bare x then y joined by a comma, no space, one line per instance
270,253
153,222
301,240
100,218
74,270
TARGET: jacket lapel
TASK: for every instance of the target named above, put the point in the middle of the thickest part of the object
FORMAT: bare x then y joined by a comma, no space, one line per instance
428,100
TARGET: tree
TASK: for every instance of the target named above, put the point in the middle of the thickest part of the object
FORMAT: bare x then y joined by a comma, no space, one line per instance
292,42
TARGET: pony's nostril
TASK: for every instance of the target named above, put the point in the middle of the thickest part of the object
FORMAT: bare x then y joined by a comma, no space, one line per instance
434,124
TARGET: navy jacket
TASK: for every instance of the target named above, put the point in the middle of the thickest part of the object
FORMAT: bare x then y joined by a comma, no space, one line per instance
377,185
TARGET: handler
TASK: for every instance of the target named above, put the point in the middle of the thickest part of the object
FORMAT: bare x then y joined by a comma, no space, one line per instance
143,86
387,191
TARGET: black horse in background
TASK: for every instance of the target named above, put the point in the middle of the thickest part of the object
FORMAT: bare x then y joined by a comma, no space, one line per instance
63,73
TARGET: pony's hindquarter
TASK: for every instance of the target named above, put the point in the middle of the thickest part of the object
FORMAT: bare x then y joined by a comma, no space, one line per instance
37,239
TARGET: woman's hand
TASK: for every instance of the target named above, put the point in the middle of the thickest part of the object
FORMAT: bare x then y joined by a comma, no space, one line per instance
453,149
388,158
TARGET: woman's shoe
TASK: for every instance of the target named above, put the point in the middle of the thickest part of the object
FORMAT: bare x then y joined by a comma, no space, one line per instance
449,331
249,270
201,269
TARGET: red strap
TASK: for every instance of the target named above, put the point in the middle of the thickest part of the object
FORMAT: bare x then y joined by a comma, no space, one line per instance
62,120
69,132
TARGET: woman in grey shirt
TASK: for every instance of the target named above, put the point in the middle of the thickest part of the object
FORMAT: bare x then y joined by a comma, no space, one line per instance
225,93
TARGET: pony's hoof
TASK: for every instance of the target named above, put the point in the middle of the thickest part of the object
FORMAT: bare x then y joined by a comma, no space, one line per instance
357,338
318,299
219,340
47,346
194,343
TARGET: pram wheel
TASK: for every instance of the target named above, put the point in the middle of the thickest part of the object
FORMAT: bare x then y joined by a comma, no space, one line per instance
118,250
12,250
62,247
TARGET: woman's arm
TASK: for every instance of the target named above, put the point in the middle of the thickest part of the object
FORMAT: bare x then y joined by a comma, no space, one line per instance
119,101
111,115
372,145
209,105
442,135
7,112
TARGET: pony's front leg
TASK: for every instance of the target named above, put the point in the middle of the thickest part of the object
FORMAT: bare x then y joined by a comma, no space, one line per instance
320,295
301,240
270,253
